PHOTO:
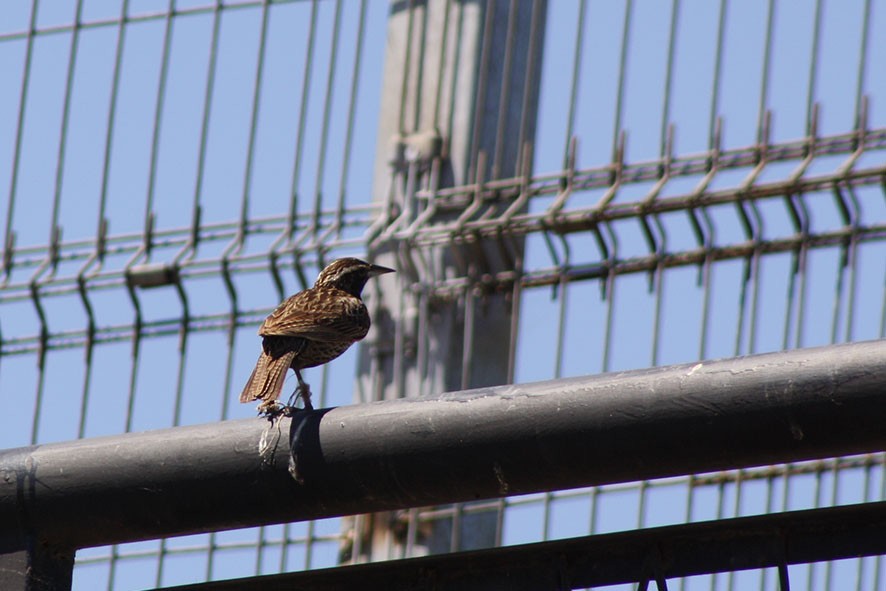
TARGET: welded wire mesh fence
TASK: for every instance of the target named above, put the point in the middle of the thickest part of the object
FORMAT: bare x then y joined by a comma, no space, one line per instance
586,186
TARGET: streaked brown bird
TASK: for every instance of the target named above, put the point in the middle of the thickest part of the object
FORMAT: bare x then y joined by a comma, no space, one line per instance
311,328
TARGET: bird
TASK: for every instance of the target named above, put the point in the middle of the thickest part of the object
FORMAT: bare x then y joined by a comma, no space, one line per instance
311,328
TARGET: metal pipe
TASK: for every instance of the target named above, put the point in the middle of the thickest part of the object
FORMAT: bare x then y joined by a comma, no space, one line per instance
761,541
483,443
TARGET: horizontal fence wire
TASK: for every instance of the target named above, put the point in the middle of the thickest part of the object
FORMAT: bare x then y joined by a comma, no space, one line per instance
563,209
151,220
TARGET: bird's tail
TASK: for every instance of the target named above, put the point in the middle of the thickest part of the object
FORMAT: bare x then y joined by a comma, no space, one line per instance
267,378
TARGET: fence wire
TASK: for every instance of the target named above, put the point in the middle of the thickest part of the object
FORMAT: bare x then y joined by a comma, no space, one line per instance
704,180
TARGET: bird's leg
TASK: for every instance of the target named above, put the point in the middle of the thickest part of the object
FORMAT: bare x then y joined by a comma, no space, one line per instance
303,390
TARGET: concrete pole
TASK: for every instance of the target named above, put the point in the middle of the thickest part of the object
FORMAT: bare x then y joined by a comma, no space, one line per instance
459,105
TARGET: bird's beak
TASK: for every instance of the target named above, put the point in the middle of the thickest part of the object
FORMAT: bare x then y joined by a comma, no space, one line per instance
378,270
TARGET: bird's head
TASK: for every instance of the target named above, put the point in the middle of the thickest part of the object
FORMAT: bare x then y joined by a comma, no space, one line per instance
349,275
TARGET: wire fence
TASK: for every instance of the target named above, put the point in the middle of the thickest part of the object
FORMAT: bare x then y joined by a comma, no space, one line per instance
688,181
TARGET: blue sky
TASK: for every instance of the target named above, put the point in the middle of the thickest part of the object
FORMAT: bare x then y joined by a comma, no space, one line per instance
85,172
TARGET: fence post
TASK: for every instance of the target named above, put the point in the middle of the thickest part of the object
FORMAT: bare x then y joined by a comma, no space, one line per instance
459,104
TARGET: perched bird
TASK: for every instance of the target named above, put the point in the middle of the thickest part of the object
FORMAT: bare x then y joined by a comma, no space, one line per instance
311,328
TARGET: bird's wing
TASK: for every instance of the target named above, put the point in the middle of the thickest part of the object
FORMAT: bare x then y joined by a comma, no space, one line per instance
312,315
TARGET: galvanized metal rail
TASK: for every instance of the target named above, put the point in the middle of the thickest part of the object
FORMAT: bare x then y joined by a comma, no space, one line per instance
482,443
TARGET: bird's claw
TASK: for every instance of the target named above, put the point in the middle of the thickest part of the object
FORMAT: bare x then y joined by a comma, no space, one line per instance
271,410
274,411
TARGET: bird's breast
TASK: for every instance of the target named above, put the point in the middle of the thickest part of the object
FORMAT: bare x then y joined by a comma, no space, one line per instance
357,318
